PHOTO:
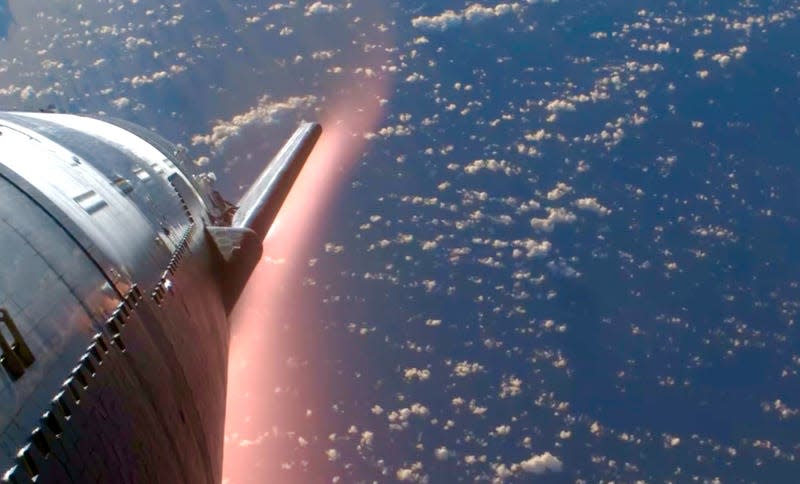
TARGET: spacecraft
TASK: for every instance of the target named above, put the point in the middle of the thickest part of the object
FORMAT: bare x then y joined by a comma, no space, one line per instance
118,271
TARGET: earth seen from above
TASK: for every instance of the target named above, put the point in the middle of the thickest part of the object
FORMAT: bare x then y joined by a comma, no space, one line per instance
552,241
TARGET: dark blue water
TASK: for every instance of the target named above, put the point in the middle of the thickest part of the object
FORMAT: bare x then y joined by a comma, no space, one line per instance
6,20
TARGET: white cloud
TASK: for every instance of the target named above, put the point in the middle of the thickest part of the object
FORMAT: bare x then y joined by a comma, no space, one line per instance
591,205
532,248
477,13
559,191
539,464
561,268
560,105
366,438
317,8
441,22
722,59
510,387
121,102
536,136
402,415
412,474
473,14
502,471
739,51
405,475
660,47
555,216
476,409
332,454
491,165
142,80
465,368
415,373
133,42
266,111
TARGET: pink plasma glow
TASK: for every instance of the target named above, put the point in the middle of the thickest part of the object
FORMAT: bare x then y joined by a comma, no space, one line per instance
257,423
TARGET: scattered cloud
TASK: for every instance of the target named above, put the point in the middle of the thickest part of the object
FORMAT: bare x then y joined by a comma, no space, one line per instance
539,464
266,111
473,14
318,8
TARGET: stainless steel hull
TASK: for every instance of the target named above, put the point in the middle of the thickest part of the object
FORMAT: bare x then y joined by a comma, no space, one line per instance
117,278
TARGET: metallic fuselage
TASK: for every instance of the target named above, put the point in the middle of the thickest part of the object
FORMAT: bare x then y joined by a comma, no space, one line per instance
115,327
